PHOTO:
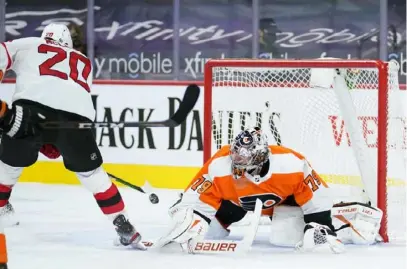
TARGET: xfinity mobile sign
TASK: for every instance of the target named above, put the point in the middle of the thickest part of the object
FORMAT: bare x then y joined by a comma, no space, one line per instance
139,44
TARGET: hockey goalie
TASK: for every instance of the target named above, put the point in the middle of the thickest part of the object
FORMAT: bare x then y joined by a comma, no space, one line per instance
295,198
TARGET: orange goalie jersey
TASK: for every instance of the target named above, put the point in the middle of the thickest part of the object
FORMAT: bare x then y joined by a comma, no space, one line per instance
289,176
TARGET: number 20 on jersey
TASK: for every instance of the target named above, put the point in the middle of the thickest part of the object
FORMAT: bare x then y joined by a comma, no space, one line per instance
60,55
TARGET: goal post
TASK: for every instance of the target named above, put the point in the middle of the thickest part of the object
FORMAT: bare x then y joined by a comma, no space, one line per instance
348,118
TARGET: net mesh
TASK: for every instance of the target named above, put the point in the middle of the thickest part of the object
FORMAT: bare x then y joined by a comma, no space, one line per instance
295,113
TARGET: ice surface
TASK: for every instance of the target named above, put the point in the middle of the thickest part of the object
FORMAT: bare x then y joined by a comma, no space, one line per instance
62,228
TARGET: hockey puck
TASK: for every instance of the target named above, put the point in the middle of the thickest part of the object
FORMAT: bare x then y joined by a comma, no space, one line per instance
153,198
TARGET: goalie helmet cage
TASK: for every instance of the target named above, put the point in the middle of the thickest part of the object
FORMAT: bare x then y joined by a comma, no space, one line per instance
353,132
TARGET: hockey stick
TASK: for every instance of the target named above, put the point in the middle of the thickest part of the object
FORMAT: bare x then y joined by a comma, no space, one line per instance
210,246
128,184
233,246
187,104
146,189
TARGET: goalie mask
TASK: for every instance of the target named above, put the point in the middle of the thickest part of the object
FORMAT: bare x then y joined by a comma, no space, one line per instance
248,151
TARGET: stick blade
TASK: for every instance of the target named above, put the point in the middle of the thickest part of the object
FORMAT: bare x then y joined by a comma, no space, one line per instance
187,104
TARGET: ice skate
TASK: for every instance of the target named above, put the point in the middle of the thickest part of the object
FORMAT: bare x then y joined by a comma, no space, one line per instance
8,216
128,235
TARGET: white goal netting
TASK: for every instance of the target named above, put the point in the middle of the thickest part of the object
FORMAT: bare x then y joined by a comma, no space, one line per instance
338,128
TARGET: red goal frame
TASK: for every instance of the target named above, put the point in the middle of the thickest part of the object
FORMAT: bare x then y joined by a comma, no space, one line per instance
383,75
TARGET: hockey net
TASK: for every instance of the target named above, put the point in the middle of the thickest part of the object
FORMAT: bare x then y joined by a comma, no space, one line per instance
353,132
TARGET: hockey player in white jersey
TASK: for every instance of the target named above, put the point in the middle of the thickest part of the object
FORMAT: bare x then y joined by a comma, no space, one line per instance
53,84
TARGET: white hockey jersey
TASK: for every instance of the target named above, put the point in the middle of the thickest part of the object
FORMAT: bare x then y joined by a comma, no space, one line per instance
50,74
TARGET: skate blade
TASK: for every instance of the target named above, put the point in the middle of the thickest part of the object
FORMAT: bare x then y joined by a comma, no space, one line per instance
136,244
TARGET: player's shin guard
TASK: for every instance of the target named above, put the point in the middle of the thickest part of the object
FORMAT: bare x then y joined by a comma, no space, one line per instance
5,193
105,192
111,203
8,178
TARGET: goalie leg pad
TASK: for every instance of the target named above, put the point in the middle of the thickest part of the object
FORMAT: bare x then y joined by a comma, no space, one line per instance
287,226
187,226
227,214
217,230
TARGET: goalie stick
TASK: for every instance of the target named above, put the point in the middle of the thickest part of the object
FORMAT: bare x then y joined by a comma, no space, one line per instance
213,246
233,246
187,104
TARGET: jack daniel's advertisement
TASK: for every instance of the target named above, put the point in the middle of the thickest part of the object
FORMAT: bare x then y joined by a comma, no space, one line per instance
143,138
188,136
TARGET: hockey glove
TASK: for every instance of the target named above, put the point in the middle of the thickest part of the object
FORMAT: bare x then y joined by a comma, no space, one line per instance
319,238
50,151
18,122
